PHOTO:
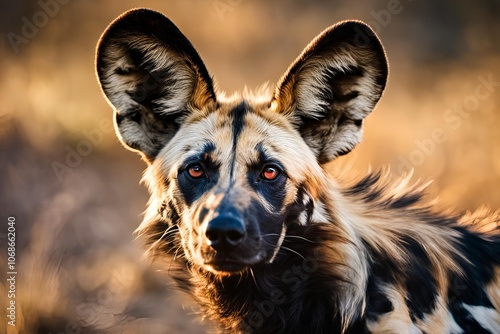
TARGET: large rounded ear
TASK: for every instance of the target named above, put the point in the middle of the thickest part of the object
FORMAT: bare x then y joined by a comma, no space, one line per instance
332,86
153,77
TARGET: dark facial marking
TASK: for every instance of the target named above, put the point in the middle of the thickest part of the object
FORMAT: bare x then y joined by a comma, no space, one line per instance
191,188
239,112
273,191
300,205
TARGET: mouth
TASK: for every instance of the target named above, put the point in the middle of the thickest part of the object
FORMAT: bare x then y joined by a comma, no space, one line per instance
227,267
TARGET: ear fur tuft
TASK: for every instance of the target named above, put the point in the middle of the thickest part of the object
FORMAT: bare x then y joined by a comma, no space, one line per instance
332,86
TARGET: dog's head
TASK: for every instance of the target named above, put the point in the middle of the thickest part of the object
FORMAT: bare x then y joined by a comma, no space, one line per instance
230,175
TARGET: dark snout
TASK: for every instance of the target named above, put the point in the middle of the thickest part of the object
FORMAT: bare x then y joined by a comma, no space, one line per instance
225,232
232,240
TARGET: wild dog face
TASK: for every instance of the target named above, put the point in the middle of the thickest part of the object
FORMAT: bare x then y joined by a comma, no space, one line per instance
232,174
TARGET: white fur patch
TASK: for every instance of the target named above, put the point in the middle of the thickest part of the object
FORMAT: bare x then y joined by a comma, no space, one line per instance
488,318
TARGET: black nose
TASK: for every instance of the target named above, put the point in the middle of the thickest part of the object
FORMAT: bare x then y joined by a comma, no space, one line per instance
225,232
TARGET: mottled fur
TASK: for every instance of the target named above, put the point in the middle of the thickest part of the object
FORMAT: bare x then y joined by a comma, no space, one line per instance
255,227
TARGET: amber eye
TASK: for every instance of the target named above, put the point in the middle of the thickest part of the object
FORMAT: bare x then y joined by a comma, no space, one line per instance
196,171
270,172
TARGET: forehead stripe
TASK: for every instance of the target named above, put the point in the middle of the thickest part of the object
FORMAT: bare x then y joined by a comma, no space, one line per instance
238,113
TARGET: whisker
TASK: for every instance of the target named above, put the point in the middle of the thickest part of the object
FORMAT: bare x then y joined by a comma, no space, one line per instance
267,242
253,276
289,237
299,237
240,278
167,233
293,251
175,257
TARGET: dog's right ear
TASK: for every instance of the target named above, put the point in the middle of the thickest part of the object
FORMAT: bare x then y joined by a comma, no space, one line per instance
153,77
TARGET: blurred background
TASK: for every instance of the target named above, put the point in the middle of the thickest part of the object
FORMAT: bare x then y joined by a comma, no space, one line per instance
75,192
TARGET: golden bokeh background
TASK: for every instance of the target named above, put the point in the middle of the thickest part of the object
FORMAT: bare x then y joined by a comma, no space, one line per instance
75,192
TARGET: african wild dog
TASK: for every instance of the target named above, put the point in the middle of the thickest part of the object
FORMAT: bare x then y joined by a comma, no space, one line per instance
262,237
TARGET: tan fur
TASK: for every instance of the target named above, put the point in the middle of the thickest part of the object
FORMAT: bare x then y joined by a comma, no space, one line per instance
439,321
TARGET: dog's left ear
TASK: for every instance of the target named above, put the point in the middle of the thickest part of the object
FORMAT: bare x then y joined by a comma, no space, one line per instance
332,86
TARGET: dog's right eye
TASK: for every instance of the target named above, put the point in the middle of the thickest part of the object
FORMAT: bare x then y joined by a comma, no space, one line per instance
196,171
270,173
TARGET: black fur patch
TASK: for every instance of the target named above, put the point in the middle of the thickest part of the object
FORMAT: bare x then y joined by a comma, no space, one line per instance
421,286
366,187
377,302
405,200
478,268
369,190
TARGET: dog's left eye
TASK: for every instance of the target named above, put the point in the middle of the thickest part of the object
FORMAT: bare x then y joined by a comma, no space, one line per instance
196,171
270,172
